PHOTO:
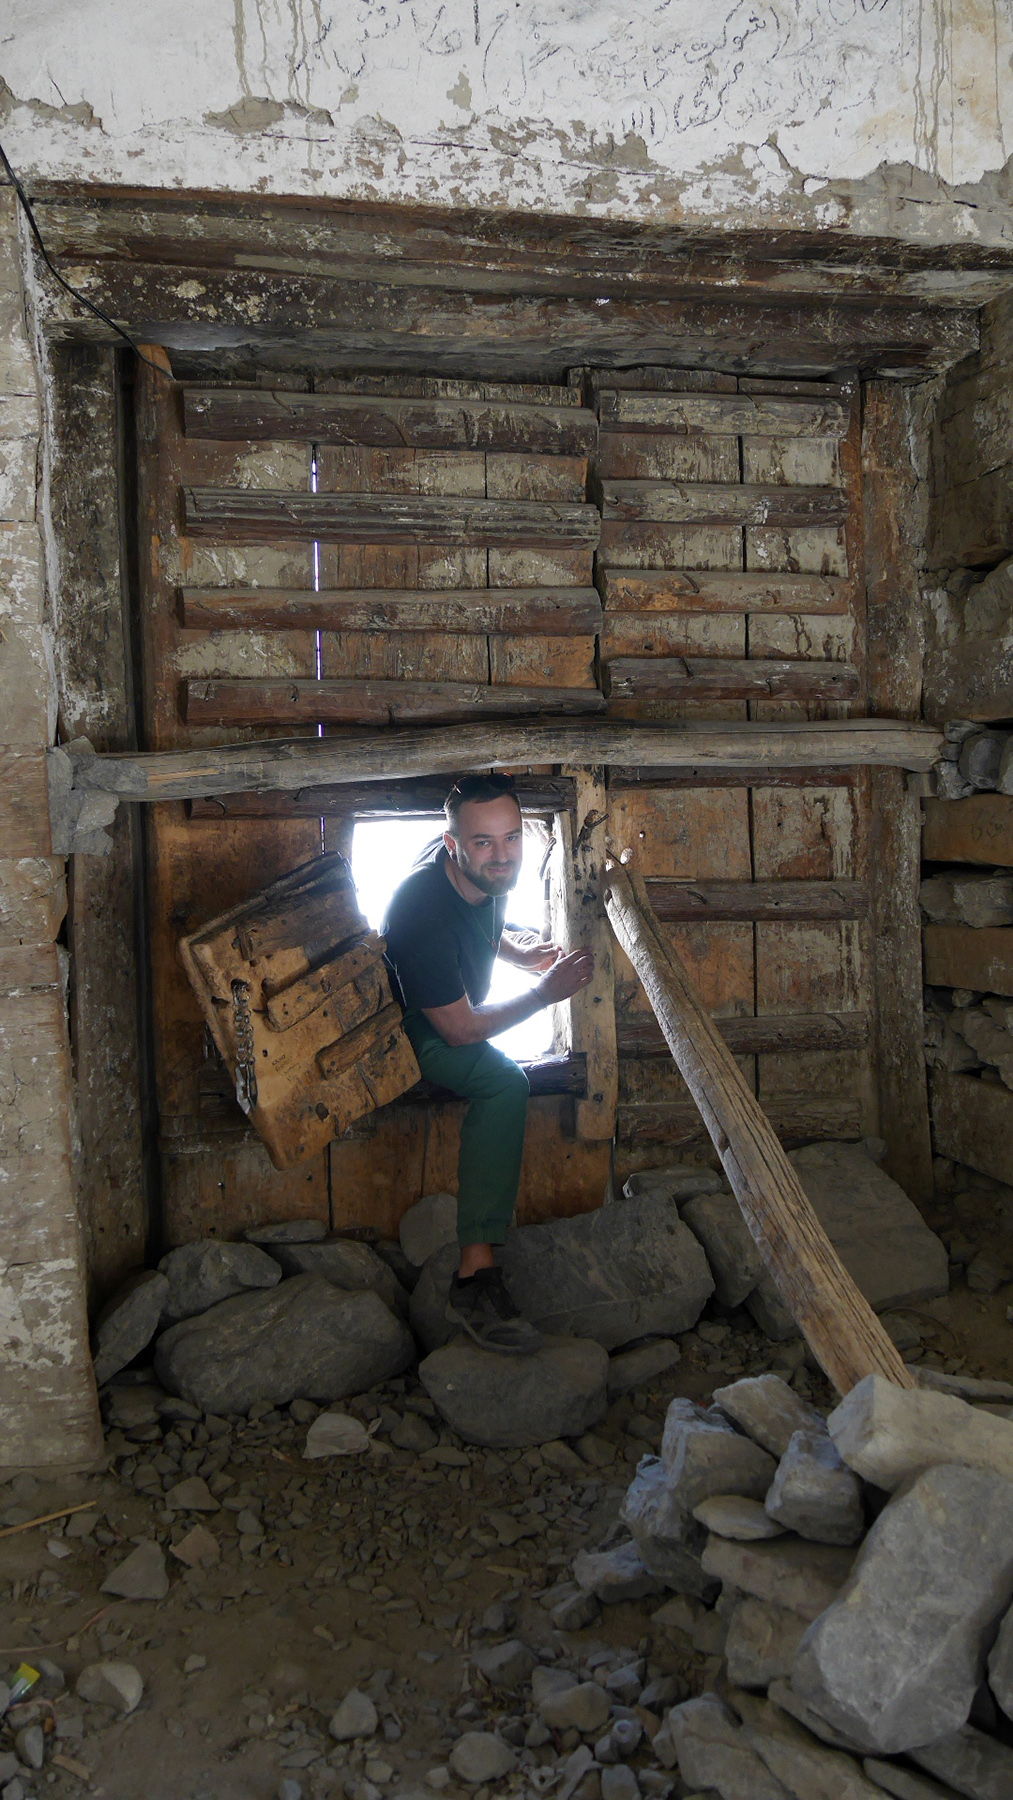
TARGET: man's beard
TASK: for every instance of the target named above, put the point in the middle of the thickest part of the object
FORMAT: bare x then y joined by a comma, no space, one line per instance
489,884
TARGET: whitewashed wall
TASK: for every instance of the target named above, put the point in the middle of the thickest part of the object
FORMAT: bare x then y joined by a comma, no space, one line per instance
870,114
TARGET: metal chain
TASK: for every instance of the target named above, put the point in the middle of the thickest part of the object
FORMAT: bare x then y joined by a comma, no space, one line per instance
246,1067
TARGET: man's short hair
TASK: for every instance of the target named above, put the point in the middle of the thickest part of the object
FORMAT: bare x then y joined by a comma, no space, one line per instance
476,787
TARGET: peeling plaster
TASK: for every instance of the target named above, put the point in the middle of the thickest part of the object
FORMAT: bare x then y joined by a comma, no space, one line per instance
868,114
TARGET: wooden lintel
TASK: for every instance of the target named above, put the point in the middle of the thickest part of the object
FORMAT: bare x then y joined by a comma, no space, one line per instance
338,702
696,901
553,612
385,423
728,678
640,1036
538,795
255,516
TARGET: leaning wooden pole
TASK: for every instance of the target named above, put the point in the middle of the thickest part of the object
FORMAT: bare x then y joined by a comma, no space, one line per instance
837,1321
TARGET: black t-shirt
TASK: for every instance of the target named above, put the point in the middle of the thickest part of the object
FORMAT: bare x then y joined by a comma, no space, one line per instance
439,947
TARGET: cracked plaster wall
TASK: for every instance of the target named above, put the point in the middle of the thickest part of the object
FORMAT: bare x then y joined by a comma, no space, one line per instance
882,115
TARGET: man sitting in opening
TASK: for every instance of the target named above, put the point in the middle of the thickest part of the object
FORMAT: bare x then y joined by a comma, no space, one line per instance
444,930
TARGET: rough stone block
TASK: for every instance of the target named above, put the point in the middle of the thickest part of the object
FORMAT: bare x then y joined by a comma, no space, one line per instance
806,1767
814,1494
614,1575
676,1183
128,1322
207,1271
427,1308
704,1456
978,1766
903,1783
803,1577
667,1536
732,1516
345,1264
630,1369
428,1226
1000,1666
513,1401
878,1233
768,1410
896,1660
735,1262
761,1643
887,1434
714,1753
616,1274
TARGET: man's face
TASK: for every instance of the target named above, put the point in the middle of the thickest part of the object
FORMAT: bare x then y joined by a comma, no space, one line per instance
488,844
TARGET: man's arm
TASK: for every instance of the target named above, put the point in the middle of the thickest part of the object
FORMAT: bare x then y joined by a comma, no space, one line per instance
461,1023
524,950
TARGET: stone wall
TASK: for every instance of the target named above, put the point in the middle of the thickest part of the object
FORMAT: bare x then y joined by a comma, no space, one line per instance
48,1409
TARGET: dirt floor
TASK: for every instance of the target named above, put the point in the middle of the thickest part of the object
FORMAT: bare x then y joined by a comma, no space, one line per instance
376,1571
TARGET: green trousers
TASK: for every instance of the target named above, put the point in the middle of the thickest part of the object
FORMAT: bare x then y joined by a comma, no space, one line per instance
492,1135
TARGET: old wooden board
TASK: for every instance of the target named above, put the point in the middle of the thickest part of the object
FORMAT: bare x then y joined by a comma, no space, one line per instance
721,415
960,956
368,702
684,590
558,612
587,1026
728,678
537,795
801,1118
640,1035
697,900
239,515
972,1123
382,422
976,830
711,503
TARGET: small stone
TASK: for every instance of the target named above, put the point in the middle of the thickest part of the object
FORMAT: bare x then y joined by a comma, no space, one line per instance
200,1549
575,1612
81,1525
814,1494
887,1434
733,1516
805,1578
336,1434
376,1768
289,1789
584,1706
115,1684
356,1717
412,1433
986,1272
666,1535
192,1495
704,1456
287,1231
506,1665
560,1457
128,1322
761,1643
629,1369
614,1575
303,1411
194,1664
248,1522
680,1614
768,1410
30,1745
437,1779
480,1756
142,1576
207,1271
516,1401
428,1226
619,1783
131,1407
625,1683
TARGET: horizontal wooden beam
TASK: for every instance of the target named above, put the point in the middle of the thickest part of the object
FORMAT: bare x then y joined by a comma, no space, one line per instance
538,795
728,678
696,901
547,1075
972,1123
245,701
287,764
381,423
641,1036
255,516
553,612
756,776
796,1119
682,590
718,503
977,830
963,956
721,415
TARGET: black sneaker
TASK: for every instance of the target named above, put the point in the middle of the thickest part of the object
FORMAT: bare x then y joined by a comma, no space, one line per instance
484,1309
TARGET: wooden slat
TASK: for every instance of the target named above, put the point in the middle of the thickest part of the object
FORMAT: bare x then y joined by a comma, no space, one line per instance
795,1118
728,415
241,515
538,794
728,678
756,777
715,503
976,830
683,590
381,422
960,956
641,1036
553,612
693,901
336,702
547,1075
972,1122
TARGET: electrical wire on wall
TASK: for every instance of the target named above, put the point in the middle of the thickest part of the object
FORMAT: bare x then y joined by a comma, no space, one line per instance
82,299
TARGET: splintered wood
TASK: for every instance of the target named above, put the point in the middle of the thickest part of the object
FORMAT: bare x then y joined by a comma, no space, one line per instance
294,990
837,1321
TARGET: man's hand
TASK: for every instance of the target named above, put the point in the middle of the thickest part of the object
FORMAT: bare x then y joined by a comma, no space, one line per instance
567,976
537,956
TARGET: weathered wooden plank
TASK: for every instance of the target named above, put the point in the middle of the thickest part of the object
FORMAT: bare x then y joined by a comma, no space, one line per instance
285,764
714,503
555,1074
588,1024
962,957
977,830
795,1119
720,591
727,678
648,456
24,802
242,515
727,415
557,612
698,900
972,1122
382,422
813,777
335,702
898,1060
640,1035
537,794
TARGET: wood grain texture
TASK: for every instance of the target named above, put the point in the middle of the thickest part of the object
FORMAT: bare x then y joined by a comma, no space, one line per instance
685,900
366,702
242,516
721,415
713,503
587,1026
960,956
727,678
537,795
680,590
972,1122
640,1035
895,918
555,612
977,830
836,1320
795,1119
24,802
381,422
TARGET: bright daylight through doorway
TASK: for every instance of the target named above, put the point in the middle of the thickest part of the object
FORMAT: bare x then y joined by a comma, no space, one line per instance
384,851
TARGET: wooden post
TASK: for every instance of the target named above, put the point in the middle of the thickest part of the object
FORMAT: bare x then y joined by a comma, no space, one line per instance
838,1323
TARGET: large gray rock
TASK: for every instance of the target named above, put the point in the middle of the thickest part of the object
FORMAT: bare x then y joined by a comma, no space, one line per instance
903,1783
806,1767
1000,1666
704,1456
345,1264
887,1434
978,1766
616,1274
630,1369
427,1308
769,1311
128,1322
735,1262
761,1643
814,1494
878,1233
428,1226
768,1410
303,1339
733,1516
141,1576
896,1660
667,1536
207,1271
677,1181
514,1401
713,1752
802,1577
